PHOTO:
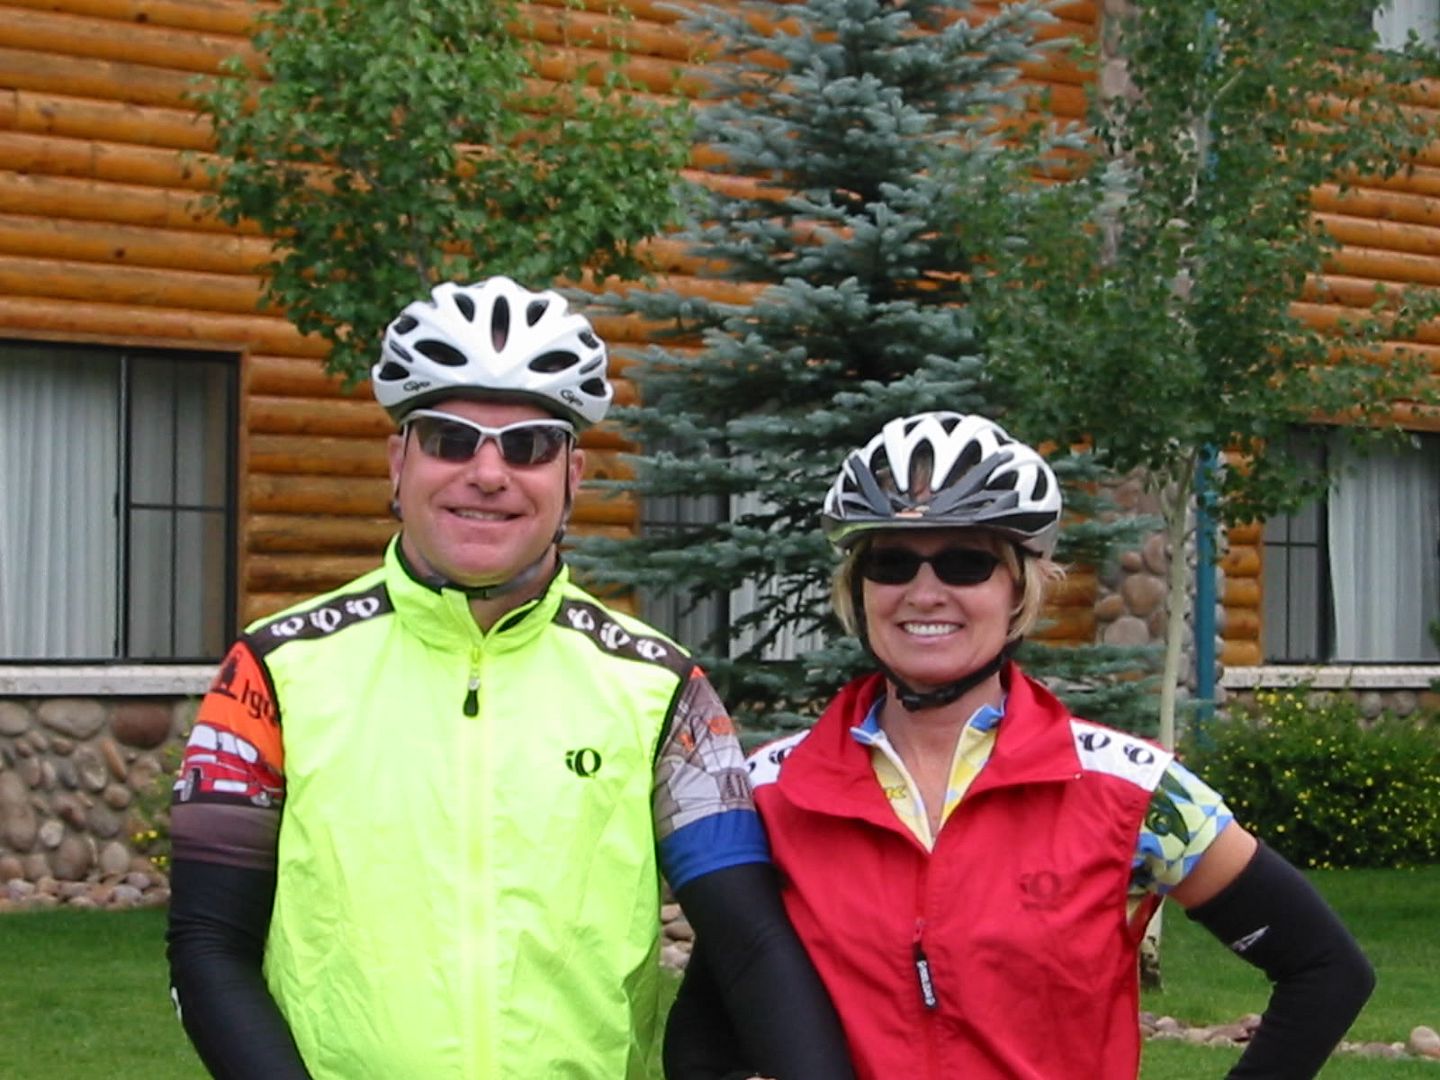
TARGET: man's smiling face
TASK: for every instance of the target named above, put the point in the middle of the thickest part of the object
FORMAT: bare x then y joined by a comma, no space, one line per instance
482,521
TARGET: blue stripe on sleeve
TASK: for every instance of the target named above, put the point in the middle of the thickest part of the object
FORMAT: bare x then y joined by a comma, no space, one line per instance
714,842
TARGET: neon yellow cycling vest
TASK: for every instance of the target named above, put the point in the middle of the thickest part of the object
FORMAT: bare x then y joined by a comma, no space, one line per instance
467,878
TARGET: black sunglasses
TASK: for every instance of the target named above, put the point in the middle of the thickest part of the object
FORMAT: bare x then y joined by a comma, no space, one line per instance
454,439
952,565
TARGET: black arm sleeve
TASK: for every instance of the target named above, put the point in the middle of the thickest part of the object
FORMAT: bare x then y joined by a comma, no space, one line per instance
700,1040
782,1018
1273,917
219,916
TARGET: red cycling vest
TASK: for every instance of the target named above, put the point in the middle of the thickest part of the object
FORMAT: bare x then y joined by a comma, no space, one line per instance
1006,952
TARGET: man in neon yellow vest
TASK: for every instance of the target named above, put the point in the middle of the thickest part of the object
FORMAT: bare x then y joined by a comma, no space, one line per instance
421,821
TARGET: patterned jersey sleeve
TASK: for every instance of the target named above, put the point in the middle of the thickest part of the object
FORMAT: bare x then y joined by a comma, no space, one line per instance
1184,818
705,817
230,786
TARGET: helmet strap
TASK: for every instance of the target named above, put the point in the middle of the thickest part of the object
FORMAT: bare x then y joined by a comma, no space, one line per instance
913,700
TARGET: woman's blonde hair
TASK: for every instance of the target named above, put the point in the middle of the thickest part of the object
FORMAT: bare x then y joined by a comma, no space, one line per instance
1032,574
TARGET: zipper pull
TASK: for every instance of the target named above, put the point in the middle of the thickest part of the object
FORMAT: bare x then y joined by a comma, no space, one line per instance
472,695
922,971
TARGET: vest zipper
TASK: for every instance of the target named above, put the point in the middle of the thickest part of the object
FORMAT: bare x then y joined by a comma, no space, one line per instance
922,969
472,695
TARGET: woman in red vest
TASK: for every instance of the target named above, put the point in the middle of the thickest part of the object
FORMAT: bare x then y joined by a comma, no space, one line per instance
970,866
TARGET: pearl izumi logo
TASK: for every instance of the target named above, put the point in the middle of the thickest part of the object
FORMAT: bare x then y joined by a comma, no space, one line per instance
583,762
1041,890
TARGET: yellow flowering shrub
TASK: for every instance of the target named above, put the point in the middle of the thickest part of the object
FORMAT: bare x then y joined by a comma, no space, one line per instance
1305,773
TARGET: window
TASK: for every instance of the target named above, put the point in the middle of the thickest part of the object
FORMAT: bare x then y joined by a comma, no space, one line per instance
688,618
116,503
692,621
1356,577
1394,19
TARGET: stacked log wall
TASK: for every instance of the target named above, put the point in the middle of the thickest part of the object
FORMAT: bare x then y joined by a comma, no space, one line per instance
105,237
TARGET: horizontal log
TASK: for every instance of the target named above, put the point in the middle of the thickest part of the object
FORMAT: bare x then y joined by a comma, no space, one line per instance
307,454
307,572
187,329
1337,288
1415,179
60,155
602,31
87,282
135,44
86,77
23,235
1336,317
1420,115
367,497
664,77
607,465
1235,654
289,376
1392,352
358,496
1248,532
1241,624
112,121
1384,266
125,204
235,17
1242,593
357,417
317,533
256,606
1057,625
1075,589
1378,204
1241,562
1411,237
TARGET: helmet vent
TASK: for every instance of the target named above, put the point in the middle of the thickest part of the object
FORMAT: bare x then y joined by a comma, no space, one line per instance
466,306
441,353
1042,486
880,469
968,459
589,340
556,360
500,324
594,387
404,324
535,310
392,372
922,472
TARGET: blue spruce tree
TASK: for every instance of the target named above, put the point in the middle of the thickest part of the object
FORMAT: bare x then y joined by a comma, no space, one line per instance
867,160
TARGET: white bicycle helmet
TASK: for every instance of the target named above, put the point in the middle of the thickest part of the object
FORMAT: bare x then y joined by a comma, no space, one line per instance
493,339
945,470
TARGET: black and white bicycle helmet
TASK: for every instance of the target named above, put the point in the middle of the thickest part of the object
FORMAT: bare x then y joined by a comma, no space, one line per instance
493,339
945,470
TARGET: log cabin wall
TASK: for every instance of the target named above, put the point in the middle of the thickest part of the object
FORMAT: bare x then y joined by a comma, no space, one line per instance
1389,230
104,238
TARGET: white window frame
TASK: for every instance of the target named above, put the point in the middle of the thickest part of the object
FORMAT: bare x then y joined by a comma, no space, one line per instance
1394,19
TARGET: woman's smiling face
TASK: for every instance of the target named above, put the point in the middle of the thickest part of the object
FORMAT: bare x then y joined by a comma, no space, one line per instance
927,632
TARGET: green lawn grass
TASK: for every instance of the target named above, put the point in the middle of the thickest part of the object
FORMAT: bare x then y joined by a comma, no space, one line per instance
1392,912
83,994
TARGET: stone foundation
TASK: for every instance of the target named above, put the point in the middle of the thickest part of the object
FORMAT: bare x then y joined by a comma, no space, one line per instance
76,776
